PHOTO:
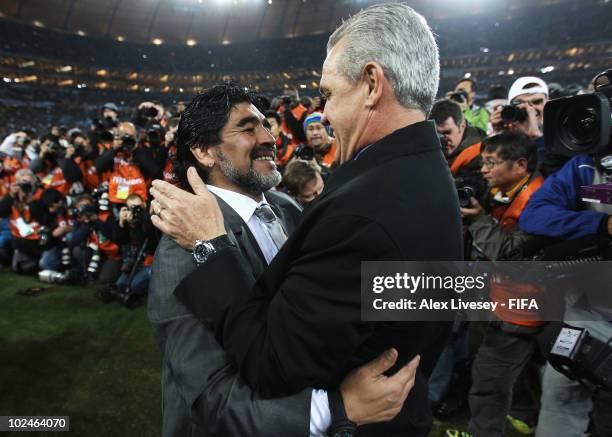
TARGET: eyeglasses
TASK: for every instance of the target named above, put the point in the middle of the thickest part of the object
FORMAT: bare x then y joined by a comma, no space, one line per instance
490,164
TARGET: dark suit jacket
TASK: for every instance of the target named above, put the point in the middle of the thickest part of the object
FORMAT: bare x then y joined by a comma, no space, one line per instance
299,326
202,393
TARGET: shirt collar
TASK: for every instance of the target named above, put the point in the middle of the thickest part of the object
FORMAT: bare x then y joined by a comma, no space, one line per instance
243,205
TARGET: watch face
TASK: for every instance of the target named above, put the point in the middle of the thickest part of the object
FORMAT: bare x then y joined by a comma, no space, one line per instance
202,250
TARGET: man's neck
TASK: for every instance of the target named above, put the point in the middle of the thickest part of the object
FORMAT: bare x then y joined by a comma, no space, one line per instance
388,121
510,190
257,197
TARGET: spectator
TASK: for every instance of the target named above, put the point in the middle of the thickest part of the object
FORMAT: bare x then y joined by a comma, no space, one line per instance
324,147
285,146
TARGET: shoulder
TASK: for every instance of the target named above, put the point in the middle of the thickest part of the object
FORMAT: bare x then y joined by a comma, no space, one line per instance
283,200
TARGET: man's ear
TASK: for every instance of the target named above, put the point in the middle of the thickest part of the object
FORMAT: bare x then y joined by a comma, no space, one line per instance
521,164
374,77
203,156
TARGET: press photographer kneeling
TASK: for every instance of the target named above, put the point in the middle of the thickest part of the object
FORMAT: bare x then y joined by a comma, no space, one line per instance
138,239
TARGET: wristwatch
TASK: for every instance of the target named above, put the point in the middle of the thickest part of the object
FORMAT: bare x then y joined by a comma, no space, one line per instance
340,426
203,249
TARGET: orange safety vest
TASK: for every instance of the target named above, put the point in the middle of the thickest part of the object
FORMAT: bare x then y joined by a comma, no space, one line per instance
96,238
91,178
330,157
126,180
283,156
465,157
20,224
297,112
503,289
55,179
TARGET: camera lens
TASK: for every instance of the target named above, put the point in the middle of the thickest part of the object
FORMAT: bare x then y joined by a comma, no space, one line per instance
579,127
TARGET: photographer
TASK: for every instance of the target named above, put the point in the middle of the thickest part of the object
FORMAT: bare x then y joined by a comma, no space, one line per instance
558,211
101,135
138,239
85,156
130,164
457,133
525,113
25,211
55,165
285,146
57,225
147,113
465,94
319,146
293,114
509,165
96,255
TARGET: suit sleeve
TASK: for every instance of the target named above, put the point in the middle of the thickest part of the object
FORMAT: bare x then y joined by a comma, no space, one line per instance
198,373
303,331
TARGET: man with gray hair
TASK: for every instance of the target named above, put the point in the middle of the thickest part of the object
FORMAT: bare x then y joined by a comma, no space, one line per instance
392,198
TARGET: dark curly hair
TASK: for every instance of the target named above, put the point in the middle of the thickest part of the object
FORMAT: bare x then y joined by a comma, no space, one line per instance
201,124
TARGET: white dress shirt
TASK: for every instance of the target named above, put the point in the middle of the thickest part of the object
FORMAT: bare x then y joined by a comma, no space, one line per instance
244,206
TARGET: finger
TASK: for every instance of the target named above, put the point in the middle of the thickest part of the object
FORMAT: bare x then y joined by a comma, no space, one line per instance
196,182
162,199
407,372
161,225
156,206
166,188
382,363
410,383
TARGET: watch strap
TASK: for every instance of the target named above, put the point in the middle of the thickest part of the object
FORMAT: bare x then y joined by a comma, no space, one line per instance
341,426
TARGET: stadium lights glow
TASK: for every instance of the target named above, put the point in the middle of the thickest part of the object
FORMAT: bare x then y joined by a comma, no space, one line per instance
146,90
547,69
302,86
38,23
226,42
467,75
157,41
510,71
120,38
81,33
191,42
102,72
65,69
7,79
269,2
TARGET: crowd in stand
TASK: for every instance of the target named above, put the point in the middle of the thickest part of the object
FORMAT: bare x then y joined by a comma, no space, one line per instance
74,207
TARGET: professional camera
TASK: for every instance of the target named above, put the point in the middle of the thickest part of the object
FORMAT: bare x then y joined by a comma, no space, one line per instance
305,152
27,187
582,123
155,133
465,195
459,96
86,209
513,114
128,143
100,194
94,263
137,214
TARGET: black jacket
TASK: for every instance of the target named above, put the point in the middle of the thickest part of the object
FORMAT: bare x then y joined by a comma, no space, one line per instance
299,324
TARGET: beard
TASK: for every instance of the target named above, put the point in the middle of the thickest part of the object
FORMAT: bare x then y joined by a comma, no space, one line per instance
252,181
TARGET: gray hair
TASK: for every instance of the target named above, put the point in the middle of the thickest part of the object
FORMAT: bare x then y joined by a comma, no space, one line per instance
25,172
399,39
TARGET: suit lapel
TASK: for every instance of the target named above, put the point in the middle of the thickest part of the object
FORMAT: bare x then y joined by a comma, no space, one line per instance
247,242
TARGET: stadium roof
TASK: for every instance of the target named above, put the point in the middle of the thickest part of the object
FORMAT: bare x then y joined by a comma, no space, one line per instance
211,22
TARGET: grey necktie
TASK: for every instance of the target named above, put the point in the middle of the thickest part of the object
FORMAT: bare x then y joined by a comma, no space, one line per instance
264,213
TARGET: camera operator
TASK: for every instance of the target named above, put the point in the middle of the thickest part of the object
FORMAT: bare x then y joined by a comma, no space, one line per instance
285,146
25,211
527,96
138,239
457,133
55,165
101,134
130,164
95,254
302,180
557,211
319,145
509,165
465,94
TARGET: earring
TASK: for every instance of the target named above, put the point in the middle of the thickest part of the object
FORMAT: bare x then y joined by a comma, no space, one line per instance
210,164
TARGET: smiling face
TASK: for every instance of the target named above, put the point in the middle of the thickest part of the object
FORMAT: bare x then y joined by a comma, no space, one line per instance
245,157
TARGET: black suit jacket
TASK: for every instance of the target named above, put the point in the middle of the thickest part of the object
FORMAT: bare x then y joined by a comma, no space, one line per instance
299,324
201,391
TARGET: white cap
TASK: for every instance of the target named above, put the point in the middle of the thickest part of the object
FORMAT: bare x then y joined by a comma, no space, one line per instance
518,87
